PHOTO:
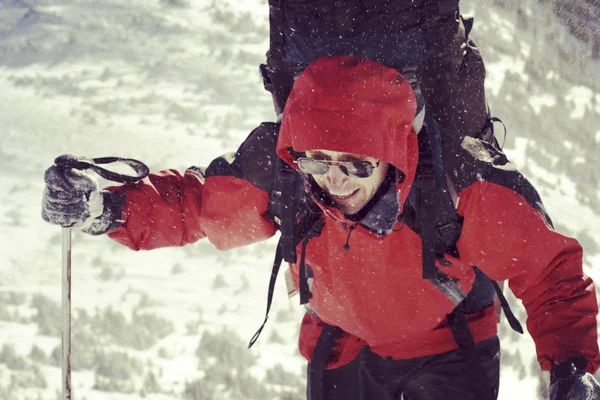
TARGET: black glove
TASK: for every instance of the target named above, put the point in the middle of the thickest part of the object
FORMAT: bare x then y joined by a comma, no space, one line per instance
72,198
570,381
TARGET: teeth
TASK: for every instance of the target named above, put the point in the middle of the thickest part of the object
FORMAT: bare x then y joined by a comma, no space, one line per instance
341,196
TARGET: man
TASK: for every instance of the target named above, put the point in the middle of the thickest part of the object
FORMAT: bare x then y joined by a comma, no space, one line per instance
349,128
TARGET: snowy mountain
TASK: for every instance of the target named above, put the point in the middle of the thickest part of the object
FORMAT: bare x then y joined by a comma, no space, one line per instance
175,83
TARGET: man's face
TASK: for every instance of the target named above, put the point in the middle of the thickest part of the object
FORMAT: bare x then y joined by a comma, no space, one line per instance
350,193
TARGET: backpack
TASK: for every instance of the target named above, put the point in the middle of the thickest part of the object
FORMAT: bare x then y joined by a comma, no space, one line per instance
303,31
406,33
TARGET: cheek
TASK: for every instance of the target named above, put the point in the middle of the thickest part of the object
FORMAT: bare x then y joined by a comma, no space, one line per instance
320,180
370,188
374,182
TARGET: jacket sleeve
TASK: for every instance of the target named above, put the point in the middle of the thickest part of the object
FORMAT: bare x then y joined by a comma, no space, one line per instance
227,203
510,239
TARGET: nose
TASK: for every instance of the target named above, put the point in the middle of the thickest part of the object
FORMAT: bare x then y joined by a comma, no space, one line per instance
335,177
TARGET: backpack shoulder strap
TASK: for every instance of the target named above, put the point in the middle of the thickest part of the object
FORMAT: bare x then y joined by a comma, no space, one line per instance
298,221
282,207
432,214
435,216
307,227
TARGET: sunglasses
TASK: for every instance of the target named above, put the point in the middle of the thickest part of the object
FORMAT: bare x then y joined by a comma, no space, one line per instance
359,169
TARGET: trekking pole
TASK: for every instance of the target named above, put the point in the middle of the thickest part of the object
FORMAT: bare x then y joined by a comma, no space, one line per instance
66,313
83,164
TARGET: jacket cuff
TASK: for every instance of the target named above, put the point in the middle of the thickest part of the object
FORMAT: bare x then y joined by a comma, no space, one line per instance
110,219
573,366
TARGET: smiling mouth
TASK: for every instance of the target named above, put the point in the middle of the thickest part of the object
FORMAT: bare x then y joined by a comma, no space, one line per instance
344,197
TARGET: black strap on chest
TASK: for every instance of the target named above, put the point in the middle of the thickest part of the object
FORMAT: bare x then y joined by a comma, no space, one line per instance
274,273
314,230
298,222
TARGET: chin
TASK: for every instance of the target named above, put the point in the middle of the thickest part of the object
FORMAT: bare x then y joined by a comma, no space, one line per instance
349,210
353,206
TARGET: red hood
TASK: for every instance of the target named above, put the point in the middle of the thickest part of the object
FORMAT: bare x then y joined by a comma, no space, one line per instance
352,105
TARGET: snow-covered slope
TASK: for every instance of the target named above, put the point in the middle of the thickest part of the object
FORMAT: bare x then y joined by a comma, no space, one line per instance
175,83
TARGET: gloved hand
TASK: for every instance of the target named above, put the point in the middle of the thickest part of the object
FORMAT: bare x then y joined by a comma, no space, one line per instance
570,381
72,198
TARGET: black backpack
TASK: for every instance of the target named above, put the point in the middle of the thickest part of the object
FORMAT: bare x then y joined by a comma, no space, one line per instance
401,34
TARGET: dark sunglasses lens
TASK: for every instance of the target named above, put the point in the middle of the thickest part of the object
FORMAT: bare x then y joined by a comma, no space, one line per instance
359,169
312,167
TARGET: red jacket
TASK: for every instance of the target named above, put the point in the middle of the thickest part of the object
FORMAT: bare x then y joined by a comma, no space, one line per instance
375,291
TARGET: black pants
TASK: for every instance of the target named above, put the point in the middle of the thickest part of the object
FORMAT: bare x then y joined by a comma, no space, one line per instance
455,375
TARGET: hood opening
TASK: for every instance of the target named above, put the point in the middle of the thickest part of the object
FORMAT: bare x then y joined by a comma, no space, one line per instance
352,105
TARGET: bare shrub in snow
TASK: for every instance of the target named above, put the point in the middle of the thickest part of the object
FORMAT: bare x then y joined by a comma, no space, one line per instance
192,327
38,355
150,385
237,382
177,269
226,361
13,298
47,315
9,357
144,330
153,326
162,352
199,390
85,348
32,377
244,286
276,338
284,315
226,348
219,282
115,371
237,22
117,364
105,384
288,382
144,300
14,217
5,313
93,334
173,3
111,273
